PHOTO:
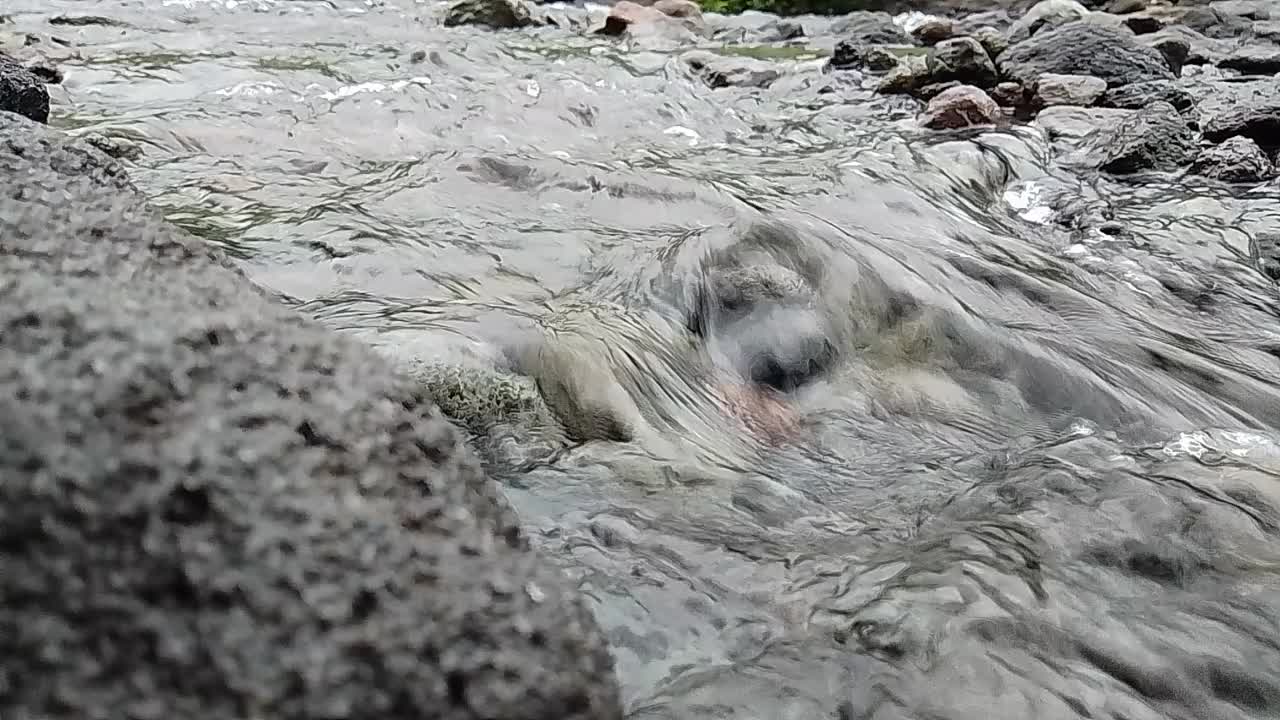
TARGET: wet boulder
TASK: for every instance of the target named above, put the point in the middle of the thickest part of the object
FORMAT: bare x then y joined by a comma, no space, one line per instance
1251,110
909,75
1055,89
852,56
962,60
213,506
1253,60
1235,160
933,31
870,28
494,14
1045,15
1084,48
1155,138
719,71
22,91
960,107
1141,94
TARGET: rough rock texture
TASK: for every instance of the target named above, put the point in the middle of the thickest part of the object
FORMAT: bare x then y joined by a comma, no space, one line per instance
1175,50
1182,45
1253,60
1045,15
1236,160
1153,138
214,508
496,14
910,74
852,56
870,28
992,40
1071,123
719,71
961,60
1054,89
1084,48
1142,94
1253,111
1009,94
933,31
959,107
22,91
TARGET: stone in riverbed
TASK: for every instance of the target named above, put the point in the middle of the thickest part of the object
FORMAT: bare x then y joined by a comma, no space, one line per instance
992,40
870,28
1153,138
1141,94
959,107
1254,115
1253,60
1055,89
1045,15
1084,48
933,31
495,14
852,56
961,60
1010,94
1236,160
719,71
208,499
22,91
910,74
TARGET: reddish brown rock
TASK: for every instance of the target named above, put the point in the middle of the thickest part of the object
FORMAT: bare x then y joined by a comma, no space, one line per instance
960,106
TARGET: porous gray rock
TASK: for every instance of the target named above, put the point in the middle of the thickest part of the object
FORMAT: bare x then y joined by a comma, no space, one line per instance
1235,160
962,60
22,91
1153,138
214,507
1055,89
1084,48
1141,94
495,14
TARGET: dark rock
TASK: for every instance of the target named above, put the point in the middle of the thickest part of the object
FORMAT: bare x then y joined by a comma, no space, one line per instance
910,74
783,30
870,28
46,71
1236,160
1184,46
1145,23
1139,95
959,107
1251,110
931,32
932,90
1124,7
1214,24
1153,138
1054,89
849,56
496,14
1084,48
719,71
993,41
1268,30
213,507
1010,94
115,147
963,60
1253,60
1265,248
84,20
22,91
1045,15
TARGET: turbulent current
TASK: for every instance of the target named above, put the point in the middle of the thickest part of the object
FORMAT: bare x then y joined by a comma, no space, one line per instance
1039,481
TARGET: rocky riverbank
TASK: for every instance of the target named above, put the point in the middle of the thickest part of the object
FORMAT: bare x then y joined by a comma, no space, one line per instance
212,507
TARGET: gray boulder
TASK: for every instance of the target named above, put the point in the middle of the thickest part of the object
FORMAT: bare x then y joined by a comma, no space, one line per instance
1153,138
1138,95
1248,109
960,107
870,28
1236,160
1084,48
961,60
1046,15
213,507
1054,89
22,91
1253,60
495,14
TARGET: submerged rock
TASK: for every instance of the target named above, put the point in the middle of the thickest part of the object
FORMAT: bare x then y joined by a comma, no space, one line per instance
1054,89
1236,160
959,107
22,91
961,60
1153,138
1084,48
496,14
212,506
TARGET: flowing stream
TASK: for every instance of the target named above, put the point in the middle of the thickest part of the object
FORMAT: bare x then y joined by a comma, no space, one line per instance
1044,483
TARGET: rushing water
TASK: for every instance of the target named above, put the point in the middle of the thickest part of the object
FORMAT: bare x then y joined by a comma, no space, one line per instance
1042,482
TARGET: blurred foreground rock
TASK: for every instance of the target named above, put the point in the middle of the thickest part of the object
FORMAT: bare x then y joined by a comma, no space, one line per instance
214,508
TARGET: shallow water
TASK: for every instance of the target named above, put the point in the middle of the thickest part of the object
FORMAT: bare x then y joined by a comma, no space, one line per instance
1046,489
